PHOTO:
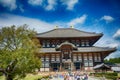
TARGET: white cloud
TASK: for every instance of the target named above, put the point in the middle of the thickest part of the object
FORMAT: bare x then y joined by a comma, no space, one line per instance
117,34
111,43
70,3
38,25
107,18
114,55
79,20
51,5
47,5
10,4
107,42
21,8
35,2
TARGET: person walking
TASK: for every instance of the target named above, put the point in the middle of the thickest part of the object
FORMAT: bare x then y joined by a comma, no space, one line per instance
78,77
85,77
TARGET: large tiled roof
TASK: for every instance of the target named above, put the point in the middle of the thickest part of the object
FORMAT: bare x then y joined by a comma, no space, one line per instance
101,66
81,49
67,32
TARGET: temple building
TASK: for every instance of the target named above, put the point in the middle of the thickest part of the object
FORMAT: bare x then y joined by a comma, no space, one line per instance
70,49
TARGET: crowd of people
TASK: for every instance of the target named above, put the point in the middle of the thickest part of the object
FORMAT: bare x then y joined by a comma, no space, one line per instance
76,76
72,76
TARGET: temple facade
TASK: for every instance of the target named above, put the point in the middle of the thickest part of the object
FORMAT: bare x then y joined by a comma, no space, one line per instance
70,49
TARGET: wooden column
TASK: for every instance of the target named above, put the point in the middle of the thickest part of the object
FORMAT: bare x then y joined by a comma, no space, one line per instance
101,55
82,64
50,63
93,59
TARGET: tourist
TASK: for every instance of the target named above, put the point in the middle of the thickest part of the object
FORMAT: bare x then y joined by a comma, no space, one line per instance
65,77
85,77
75,77
78,77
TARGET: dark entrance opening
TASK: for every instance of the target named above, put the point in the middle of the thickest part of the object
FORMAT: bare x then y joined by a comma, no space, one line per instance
66,66
77,65
55,66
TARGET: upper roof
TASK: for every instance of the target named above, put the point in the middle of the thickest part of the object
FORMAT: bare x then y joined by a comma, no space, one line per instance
67,32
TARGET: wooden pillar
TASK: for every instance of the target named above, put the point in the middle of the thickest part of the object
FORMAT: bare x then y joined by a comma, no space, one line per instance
60,66
50,68
93,59
82,67
73,66
101,57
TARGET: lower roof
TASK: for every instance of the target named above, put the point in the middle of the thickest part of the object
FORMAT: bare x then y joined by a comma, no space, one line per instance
101,66
80,49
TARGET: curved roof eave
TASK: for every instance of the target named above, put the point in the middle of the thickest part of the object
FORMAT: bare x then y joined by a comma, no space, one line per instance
67,32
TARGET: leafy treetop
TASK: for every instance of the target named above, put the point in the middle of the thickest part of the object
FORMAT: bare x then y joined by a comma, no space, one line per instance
17,51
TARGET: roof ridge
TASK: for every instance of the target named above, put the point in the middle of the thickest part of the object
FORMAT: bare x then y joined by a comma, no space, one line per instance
46,31
51,30
80,30
70,28
86,31
59,32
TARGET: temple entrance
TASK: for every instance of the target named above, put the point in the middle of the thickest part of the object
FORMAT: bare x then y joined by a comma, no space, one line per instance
55,66
66,66
77,65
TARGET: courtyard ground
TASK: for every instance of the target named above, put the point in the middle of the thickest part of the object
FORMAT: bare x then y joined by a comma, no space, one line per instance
55,76
61,75
89,78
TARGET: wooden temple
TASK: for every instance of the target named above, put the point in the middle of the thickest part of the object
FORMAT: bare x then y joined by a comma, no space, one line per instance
70,49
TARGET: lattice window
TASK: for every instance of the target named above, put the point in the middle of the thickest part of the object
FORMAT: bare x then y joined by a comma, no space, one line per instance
48,43
53,43
82,43
90,63
57,57
86,60
87,43
43,43
43,64
42,58
47,58
90,57
79,57
53,57
46,64
74,57
85,57
77,43
97,57
86,63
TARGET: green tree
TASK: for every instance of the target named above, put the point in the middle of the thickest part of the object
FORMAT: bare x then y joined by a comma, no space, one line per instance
17,51
113,60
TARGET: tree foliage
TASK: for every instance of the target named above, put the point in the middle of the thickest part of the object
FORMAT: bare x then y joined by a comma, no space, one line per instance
17,51
113,60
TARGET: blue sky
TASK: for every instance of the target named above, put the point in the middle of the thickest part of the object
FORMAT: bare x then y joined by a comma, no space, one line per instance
88,15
